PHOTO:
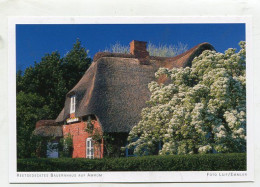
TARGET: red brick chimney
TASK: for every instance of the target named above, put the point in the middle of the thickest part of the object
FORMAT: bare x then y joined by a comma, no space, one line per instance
138,48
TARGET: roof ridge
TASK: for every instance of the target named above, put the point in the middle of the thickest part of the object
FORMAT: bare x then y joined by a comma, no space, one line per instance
99,55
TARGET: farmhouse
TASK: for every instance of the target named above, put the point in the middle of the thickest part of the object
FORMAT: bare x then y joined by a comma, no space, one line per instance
106,103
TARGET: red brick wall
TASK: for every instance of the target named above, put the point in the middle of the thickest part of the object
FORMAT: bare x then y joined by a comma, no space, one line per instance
79,135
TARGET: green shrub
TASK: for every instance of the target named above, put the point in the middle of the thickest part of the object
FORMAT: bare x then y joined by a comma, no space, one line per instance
66,146
205,162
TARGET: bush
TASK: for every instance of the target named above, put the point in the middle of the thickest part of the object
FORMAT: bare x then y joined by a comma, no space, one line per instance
198,162
201,110
66,146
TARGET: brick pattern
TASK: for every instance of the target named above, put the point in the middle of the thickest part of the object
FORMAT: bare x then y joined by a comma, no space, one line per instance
138,49
77,130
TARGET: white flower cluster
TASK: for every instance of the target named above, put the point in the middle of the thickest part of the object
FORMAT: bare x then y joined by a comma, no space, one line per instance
203,110
205,149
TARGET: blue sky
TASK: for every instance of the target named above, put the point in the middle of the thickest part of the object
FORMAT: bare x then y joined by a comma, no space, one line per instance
34,41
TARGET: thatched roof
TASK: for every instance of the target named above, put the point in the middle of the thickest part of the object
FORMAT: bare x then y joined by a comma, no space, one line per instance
45,123
48,131
48,128
115,87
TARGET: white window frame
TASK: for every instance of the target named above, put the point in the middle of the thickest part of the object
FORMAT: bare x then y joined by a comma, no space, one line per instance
72,104
89,148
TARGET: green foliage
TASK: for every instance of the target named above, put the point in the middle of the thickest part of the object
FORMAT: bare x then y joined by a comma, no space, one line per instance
38,146
90,127
210,162
30,108
74,65
41,91
113,143
95,133
154,50
202,110
66,146
54,76
45,79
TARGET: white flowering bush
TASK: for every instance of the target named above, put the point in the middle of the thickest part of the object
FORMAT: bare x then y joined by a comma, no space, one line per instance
202,110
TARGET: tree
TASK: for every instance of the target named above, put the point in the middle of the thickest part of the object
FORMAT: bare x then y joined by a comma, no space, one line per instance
74,65
53,77
45,79
42,89
30,108
202,110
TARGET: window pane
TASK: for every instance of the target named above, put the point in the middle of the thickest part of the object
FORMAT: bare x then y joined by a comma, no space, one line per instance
89,148
72,103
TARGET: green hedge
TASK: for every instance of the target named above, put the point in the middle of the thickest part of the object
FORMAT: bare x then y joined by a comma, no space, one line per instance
207,162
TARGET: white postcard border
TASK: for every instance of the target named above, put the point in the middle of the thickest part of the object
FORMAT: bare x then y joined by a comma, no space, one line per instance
154,176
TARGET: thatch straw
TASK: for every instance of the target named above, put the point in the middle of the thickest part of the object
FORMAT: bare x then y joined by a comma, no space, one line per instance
115,87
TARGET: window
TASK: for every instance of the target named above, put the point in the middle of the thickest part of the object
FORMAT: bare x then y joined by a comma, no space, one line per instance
89,148
72,104
52,150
